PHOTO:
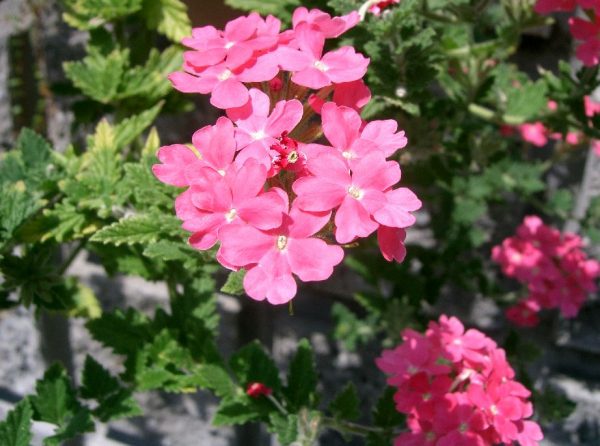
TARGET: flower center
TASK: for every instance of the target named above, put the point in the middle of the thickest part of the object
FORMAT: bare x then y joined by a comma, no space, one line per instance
321,66
463,427
293,157
493,409
224,75
258,135
221,172
347,154
355,192
426,396
229,45
281,242
230,216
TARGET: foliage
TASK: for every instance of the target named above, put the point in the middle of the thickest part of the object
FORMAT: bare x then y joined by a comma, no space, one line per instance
444,70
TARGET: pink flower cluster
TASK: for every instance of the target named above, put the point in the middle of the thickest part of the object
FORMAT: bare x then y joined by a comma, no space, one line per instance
585,31
537,134
552,265
292,172
457,389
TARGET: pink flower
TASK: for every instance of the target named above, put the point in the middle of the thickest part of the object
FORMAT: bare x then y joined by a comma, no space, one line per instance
548,6
357,195
257,129
349,94
323,23
236,44
271,257
591,106
314,70
534,133
588,32
227,200
457,393
524,313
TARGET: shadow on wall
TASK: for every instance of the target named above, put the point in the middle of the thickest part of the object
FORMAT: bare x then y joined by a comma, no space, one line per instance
214,12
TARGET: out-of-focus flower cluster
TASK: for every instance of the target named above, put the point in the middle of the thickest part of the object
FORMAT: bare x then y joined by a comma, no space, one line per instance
552,265
457,389
380,7
585,31
293,169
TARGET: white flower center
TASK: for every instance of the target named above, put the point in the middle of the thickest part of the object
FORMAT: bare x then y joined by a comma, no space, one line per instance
321,66
355,192
224,75
493,409
293,157
348,155
281,242
230,216
221,172
258,135
229,45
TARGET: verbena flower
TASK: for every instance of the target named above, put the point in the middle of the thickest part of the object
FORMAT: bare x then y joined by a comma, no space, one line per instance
457,388
262,183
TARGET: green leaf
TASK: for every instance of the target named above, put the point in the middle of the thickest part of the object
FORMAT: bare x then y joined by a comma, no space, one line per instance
385,413
127,130
16,207
90,14
526,102
252,364
55,402
302,377
552,406
99,76
232,411
137,229
285,427
121,331
114,400
217,380
561,203
235,283
169,17
278,8
15,430
345,405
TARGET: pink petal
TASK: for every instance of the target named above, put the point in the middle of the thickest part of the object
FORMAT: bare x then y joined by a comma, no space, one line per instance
186,83
271,279
264,212
174,159
345,65
374,172
248,181
396,212
228,94
352,220
216,143
243,245
305,224
309,41
312,78
312,259
318,194
285,116
203,240
391,243
383,134
341,125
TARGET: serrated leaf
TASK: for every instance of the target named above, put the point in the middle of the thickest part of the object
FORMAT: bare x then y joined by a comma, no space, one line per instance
302,377
217,380
129,129
169,17
15,430
99,76
55,402
285,427
385,413
16,207
232,411
114,400
90,14
252,364
121,331
235,283
143,229
526,102
345,405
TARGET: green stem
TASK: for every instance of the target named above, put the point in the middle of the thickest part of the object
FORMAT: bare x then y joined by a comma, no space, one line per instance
352,428
65,266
